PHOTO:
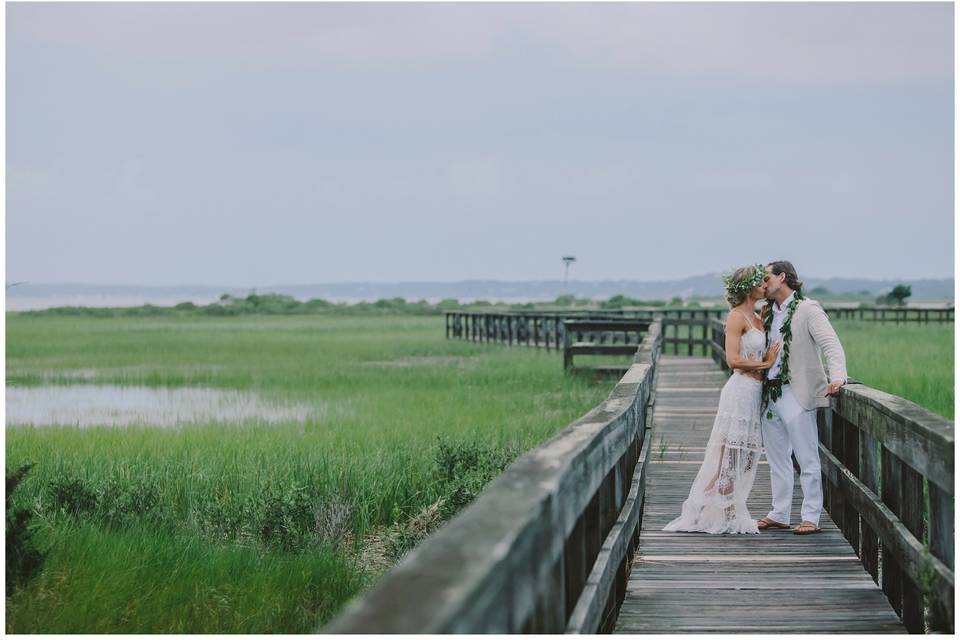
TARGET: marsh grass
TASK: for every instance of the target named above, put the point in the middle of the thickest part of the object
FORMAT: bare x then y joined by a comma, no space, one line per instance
139,580
261,528
912,361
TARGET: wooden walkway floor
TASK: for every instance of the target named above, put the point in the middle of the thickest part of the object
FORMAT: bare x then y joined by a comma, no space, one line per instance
774,582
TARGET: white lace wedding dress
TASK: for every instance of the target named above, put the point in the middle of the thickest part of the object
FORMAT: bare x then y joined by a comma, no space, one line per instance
718,498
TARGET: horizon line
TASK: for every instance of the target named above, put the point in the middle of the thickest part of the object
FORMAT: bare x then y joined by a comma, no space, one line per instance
441,282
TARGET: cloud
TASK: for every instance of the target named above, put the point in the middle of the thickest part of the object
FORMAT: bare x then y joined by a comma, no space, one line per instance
791,42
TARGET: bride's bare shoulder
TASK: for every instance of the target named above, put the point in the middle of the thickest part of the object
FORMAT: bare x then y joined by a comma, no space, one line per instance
735,321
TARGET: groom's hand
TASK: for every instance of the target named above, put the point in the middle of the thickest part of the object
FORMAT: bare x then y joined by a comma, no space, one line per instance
833,389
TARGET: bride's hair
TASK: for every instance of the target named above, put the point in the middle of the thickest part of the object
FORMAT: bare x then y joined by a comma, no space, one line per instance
737,294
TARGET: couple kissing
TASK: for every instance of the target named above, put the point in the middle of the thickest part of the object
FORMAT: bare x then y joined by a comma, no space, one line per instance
768,406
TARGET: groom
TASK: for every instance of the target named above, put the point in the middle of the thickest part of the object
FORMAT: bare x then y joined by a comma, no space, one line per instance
794,387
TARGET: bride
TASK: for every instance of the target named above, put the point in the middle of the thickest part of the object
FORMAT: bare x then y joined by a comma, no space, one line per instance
718,498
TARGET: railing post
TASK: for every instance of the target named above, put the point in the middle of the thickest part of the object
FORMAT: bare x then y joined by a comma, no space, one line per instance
890,486
574,567
912,507
837,502
593,529
851,459
550,614
941,546
869,475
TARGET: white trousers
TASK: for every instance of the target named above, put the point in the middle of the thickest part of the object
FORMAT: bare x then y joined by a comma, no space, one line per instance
792,429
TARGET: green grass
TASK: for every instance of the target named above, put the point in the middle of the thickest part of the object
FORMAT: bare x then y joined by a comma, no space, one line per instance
221,525
912,361
142,581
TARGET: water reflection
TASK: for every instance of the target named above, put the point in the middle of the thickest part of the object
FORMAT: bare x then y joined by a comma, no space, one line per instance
111,405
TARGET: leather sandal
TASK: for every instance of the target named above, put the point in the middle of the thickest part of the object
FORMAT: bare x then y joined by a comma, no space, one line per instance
767,523
806,529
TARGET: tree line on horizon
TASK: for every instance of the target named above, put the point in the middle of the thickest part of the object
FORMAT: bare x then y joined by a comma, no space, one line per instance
284,304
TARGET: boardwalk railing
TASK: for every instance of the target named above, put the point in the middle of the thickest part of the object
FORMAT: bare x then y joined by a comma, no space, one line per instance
887,468
546,547
888,477
896,315
600,330
718,344
545,328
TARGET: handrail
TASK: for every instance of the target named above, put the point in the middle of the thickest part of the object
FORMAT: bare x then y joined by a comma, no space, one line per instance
545,547
544,328
595,329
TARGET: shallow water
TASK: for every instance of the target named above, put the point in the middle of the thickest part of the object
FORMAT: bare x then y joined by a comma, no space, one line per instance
111,405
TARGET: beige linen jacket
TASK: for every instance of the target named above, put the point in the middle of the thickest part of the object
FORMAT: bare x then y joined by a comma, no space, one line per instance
812,335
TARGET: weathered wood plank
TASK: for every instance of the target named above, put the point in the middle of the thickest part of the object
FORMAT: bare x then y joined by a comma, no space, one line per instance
870,476
918,437
587,348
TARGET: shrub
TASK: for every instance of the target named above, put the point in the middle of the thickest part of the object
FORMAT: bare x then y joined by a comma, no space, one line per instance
72,496
465,468
23,558
317,303
120,503
285,519
448,304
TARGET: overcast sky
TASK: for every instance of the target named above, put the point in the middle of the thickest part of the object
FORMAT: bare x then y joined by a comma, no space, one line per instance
257,144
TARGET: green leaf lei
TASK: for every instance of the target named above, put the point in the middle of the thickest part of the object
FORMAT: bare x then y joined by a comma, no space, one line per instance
773,388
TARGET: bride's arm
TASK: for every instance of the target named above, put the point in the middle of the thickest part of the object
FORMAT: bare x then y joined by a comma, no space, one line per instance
733,332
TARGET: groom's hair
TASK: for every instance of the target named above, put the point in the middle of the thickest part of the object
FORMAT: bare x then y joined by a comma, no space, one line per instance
785,267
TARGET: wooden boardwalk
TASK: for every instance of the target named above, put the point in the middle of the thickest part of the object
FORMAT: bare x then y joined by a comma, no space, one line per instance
774,582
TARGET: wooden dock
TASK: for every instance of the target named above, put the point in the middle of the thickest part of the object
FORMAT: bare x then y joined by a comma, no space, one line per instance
774,582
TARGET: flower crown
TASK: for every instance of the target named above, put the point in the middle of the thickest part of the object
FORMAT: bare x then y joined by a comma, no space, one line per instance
746,283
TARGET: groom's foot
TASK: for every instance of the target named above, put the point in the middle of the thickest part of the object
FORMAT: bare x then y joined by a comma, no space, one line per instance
806,528
767,523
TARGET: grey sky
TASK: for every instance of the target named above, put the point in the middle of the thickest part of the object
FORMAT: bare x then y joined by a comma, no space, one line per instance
256,144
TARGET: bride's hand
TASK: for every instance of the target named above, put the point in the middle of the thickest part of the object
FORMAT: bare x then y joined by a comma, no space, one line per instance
771,355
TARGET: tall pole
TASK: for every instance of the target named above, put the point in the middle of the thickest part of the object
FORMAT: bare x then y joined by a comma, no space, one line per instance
566,269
